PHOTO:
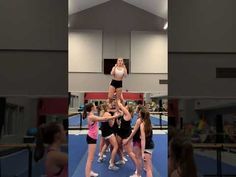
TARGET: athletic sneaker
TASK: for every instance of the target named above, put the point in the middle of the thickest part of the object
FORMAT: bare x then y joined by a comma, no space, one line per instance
113,167
100,160
104,155
136,170
93,174
125,159
120,162
135,175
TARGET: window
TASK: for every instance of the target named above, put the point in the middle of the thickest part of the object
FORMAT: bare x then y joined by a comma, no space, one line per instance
13,119
109,63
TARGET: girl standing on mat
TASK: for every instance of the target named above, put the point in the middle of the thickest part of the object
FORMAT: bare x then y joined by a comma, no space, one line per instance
92,135
147,144
56,162
118,72
108,135
124,131
135,135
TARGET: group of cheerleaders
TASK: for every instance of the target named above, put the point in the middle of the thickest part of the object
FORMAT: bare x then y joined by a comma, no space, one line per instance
116,129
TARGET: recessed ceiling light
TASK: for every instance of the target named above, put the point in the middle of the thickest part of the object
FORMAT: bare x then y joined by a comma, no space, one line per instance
165,26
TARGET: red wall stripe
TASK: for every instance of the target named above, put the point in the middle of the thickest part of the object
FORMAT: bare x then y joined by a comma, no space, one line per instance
50,106
104,95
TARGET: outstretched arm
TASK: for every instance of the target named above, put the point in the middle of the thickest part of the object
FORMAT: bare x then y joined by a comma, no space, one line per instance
103,118
136,127
143,140
125,111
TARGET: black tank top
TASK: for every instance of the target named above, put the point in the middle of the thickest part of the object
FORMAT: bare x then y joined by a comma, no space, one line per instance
125,125
106,129
149,142
136,136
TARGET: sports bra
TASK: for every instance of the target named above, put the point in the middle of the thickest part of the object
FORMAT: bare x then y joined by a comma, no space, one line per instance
119,73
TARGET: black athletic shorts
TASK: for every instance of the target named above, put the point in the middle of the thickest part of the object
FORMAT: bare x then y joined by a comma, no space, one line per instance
124,133
116,84
91,140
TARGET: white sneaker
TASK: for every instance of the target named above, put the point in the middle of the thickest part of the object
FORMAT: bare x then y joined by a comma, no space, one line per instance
93,174
125,159
104,155
100,160
135,175
120,162
113,167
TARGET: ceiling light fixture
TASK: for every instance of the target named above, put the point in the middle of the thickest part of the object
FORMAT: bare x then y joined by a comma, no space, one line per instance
165,26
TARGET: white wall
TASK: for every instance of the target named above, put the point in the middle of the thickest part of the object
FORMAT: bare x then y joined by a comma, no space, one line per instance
85,51
117,20
116,44
100,82
33,47
33,73
28,24
202,25
198,31
194,75
148,52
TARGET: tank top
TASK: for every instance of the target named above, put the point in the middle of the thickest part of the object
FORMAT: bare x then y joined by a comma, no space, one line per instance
149,142
125,125
136,136
63,172
106,129
93,129
119,73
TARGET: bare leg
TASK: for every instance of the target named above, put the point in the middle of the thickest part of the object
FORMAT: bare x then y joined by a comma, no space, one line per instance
103,150
102,142
138,155
114,144
120,150
111,92
148,164
128,149
91,152
119,94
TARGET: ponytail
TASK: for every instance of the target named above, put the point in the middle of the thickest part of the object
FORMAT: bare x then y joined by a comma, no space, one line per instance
87,108
84,114
145,116
147,124
46,134
183,156
39,149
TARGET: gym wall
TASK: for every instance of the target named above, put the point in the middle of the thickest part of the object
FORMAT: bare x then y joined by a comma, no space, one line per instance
33,47
116,41
200,40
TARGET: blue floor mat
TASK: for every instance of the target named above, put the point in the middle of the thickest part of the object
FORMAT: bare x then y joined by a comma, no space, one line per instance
202,162
77,163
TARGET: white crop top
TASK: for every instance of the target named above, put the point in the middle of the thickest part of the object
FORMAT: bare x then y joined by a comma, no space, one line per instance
119,73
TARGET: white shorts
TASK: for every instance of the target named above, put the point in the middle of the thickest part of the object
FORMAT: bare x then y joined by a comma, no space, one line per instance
107,137
149,151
